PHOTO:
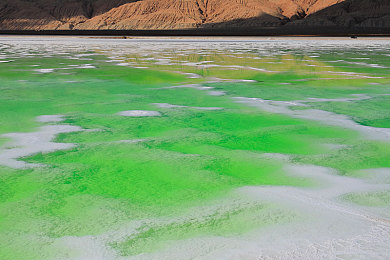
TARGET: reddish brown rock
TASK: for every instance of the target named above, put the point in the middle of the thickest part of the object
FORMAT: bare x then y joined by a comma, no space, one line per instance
179,14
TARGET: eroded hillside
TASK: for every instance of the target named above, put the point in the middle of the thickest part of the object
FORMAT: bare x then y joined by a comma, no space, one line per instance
179,14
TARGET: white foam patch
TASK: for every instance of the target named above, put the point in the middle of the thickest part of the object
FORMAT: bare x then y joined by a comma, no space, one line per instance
193,75
82,66
131,141
83,54
194,86
376,175
216,93
166,105
357,97
325,117
189,75
27,144
219,80
335,146
139,113
44,71
86,66
50,118
86,247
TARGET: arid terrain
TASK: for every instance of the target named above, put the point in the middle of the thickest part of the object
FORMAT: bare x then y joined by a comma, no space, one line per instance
183,14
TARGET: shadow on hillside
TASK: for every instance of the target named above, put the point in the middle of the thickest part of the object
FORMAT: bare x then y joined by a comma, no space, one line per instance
347,14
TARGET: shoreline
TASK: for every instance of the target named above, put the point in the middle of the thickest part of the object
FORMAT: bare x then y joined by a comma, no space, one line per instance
212,32
199,39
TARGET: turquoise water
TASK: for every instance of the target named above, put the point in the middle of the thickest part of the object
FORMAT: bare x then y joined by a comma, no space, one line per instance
178,149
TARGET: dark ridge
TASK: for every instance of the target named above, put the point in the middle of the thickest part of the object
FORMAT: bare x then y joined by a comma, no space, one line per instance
267,31
87,7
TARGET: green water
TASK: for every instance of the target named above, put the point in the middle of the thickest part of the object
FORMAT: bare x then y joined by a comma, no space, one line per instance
179,180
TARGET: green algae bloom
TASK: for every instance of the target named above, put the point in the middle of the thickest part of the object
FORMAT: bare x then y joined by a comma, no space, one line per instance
210,141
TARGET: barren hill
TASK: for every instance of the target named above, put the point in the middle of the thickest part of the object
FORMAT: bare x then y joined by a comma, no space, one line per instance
180,14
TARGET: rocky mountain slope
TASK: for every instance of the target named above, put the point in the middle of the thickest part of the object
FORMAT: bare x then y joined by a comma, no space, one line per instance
179,14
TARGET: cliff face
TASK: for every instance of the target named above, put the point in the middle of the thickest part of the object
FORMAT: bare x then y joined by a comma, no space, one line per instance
179,14
52,14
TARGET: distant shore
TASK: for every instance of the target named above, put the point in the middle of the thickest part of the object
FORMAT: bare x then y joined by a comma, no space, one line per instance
268,31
